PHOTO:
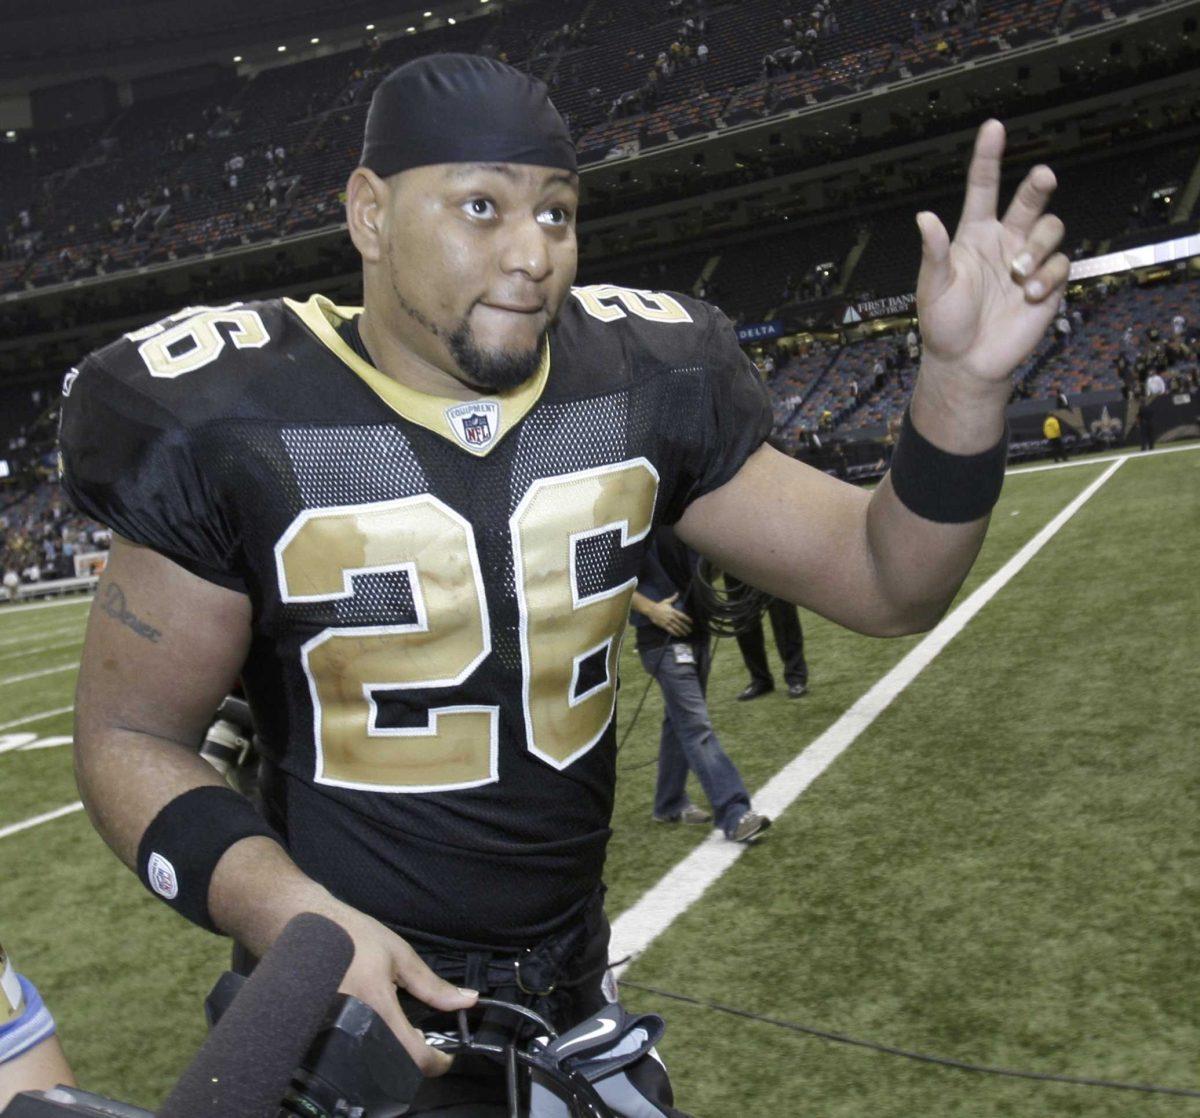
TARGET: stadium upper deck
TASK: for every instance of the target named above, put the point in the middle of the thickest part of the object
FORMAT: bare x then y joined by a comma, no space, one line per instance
175,177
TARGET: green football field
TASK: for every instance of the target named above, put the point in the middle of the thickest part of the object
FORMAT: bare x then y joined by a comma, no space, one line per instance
1001,867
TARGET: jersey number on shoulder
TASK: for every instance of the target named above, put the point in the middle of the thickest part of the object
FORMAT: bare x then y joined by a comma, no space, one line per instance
323,550
610,303
189,340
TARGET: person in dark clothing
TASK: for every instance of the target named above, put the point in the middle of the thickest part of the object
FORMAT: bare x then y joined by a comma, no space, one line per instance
1145,423
789,640
673,643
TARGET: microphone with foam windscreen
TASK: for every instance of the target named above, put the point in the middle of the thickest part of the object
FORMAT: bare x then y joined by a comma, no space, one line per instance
245,1066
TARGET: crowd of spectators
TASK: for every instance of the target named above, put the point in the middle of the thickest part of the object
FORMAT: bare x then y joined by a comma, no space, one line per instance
803,32
1140,341
686,50
252,160
223,175
1117,338
934,23
1157,362
41,536
192,205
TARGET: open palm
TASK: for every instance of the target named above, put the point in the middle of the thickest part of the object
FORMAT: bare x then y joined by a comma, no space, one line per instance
987,297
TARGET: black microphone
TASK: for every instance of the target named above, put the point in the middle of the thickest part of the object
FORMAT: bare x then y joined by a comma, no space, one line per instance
245,1066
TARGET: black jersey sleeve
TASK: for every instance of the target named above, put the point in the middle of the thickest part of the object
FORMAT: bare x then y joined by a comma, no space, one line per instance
739,416
129,462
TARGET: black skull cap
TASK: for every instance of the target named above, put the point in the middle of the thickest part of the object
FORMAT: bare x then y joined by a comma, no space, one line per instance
463,108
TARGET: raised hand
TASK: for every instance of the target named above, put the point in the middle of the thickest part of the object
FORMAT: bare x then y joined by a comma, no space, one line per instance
986,297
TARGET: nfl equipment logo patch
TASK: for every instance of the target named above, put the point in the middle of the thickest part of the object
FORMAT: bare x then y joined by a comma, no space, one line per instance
162,877
476,424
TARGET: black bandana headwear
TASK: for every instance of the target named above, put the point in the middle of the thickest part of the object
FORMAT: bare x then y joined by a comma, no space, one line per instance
463,108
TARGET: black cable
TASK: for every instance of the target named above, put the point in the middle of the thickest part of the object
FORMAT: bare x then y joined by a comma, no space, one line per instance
890,1050
730,611
642,701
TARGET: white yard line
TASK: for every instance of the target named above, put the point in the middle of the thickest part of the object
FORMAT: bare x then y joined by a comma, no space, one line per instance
36,717
38,674
636,928
1100,459
40,648
25,824
6,610
60,632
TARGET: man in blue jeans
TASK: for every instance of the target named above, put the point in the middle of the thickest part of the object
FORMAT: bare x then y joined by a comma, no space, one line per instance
673,643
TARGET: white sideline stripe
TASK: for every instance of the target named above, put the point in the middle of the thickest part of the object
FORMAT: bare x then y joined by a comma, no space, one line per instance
36,717
638,926
1100,460
61,632
39,649
6,610
24,825
38,674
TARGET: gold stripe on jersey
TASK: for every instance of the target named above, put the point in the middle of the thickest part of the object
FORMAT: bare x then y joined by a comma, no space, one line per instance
435,413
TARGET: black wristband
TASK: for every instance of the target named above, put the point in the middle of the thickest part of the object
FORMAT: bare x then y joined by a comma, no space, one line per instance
185,841
943,487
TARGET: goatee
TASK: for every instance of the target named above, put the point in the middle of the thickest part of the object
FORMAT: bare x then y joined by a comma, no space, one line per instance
493,370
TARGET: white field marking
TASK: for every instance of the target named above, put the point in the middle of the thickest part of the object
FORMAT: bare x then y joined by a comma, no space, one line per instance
37,649
6,610
38,674
1100,459
31,743
25,824
62,632
638,926
36,717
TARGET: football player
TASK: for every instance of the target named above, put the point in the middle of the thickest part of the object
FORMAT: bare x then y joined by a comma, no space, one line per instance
414,528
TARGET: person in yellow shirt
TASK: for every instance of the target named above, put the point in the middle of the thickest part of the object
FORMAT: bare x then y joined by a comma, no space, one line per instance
31,1059
1052,432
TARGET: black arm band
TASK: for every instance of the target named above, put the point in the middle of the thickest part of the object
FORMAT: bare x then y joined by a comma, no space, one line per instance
185,841
943,487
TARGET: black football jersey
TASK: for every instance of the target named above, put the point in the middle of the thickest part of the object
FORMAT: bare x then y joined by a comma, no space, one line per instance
440,589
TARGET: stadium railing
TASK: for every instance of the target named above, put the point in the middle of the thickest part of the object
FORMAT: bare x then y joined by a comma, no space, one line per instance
53,588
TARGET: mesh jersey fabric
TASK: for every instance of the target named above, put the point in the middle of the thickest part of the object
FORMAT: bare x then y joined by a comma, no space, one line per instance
472,803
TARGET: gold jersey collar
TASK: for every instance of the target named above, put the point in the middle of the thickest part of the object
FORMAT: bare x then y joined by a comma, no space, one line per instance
476,426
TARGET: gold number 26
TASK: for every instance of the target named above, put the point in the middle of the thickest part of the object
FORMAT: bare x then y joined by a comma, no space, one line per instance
323,550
